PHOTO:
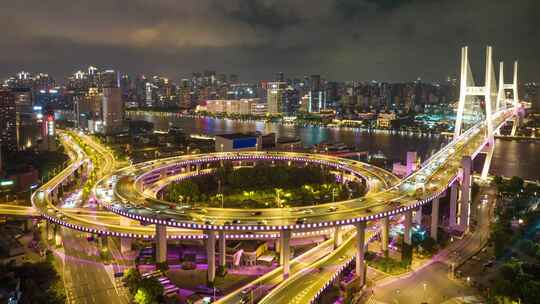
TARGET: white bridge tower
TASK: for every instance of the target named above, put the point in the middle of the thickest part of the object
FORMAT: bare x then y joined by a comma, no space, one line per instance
495,98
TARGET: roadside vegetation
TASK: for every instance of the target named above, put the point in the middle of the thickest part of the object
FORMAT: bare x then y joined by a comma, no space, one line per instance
515,237
143,290
39,282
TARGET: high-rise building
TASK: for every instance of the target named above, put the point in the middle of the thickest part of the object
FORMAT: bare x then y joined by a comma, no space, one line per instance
8,121
112,110
88,108
233,78
275,97
48,131
316,94
315,83
109,79
233,106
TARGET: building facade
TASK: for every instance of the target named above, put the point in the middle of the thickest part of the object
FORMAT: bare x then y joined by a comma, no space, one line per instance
8,121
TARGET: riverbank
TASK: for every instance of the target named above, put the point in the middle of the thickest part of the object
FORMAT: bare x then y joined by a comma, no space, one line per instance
297,123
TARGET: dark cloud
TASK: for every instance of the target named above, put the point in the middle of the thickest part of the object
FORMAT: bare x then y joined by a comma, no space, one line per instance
261,13
343,39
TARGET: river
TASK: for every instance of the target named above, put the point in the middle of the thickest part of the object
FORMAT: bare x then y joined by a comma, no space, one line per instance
510,157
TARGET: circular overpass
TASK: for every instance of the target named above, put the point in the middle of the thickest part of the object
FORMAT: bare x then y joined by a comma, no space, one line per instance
130,192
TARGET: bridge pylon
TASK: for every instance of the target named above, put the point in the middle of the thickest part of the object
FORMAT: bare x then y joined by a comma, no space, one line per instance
467,88
490,93
515,97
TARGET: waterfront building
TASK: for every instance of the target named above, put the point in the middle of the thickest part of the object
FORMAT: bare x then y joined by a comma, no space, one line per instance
384,120
276,97
237,142
233,106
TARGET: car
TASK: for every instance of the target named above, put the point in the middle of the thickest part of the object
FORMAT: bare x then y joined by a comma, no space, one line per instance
301,220
307,211
256,213
332,209
247,290
209,222
203,289
489,263
236,221
262,222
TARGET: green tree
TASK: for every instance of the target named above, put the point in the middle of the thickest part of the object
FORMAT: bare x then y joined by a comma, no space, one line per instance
149,291
501,238
429,245
132,278
497,180
184,191
515,184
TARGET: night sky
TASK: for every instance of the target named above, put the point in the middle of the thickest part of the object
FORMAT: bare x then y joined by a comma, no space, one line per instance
389,40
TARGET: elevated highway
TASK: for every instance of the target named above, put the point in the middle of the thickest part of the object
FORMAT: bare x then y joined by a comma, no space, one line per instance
389,197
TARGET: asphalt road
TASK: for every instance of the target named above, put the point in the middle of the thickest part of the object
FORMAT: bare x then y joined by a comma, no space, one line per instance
87,281
433,283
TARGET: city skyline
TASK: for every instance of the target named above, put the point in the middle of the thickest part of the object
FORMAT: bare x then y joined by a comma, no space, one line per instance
342,40
269,151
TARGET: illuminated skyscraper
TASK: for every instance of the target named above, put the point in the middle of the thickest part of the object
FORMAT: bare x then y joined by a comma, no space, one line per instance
8,121
112,110
275,97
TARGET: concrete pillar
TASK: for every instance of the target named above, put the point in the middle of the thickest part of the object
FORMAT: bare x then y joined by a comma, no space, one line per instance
466,164
412,157
384,235
338,236
418,216
452,222
434,218
99,241
360,252
407,229
125,245
28,224
211,257
161,243
57,236
285,254
49,231
277,245
198,168
222,270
